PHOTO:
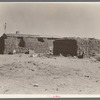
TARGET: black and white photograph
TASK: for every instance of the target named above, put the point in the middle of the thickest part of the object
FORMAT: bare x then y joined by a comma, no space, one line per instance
50,49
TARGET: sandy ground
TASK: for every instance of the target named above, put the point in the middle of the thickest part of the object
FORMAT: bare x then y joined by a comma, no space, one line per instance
22,74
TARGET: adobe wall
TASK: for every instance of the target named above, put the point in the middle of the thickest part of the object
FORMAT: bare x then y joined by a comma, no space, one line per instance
39,45
11,43
89,45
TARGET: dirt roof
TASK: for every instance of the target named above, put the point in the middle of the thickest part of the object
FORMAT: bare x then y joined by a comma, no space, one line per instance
28,35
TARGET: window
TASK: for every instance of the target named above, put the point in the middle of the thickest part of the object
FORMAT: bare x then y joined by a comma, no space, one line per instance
40,39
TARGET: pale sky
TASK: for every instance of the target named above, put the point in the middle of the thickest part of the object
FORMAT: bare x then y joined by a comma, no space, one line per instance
61,19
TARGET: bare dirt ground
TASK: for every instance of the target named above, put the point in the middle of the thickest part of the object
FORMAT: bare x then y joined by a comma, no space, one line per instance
22,74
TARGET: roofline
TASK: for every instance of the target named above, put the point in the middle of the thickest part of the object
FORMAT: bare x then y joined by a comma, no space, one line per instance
30,36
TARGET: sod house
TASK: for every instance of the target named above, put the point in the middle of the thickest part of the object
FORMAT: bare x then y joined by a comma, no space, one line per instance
22,43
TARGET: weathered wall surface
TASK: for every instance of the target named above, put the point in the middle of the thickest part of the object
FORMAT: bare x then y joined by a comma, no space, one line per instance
89,45
10,44
39,45
23,44
75,46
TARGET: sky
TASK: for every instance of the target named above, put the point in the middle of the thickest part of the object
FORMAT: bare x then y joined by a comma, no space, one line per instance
54,19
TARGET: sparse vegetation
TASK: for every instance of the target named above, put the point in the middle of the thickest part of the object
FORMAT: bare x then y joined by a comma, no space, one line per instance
48,74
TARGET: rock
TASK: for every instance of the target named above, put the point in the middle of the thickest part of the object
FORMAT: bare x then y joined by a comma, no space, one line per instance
45,89
97,81
86,76
57,89
14,51
35,85
32,69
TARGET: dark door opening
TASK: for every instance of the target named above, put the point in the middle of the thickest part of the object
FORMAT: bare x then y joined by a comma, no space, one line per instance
2,45
65,47
22,42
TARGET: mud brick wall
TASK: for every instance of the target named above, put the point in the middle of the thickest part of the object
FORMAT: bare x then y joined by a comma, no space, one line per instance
39,45
88,45
10,44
